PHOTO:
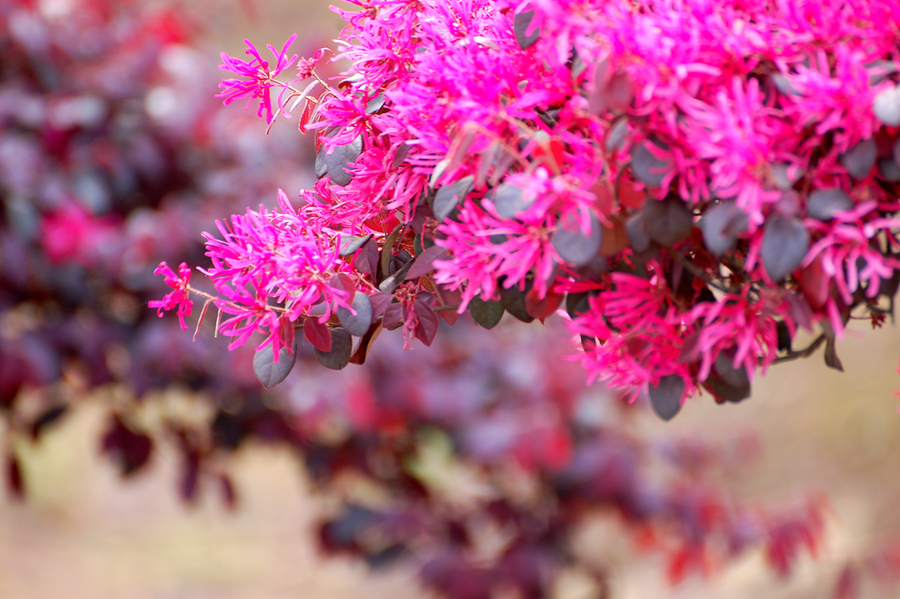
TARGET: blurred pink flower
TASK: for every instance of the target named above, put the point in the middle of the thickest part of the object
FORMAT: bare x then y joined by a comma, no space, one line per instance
180,297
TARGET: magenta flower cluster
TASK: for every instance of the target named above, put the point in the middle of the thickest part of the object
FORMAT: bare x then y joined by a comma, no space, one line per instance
697,180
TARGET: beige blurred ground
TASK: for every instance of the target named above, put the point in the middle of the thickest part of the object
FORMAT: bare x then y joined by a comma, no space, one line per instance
86,535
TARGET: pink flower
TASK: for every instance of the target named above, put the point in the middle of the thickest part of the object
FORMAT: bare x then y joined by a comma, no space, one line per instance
256,78
180,297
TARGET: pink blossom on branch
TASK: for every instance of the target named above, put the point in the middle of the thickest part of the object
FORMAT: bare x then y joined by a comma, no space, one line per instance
256,78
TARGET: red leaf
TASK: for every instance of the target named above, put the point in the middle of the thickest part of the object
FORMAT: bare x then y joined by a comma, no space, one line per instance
541,308
342,281
317,333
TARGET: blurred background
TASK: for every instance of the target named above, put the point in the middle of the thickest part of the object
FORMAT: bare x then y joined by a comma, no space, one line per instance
140,464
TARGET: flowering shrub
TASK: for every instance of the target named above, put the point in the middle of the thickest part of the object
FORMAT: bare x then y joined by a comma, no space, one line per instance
698,181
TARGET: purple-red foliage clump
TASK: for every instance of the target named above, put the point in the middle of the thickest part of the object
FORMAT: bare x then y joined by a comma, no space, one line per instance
114,156
698,181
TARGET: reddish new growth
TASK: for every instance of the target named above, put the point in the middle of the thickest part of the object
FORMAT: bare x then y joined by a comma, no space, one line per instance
697,182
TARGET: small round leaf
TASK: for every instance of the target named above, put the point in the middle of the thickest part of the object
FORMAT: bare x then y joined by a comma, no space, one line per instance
860,159
785,242
824,204
341,350
486,313
357,324
269,372
647,167
572,244
667,221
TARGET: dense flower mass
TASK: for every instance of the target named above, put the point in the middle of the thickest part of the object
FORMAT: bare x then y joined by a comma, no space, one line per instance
697,180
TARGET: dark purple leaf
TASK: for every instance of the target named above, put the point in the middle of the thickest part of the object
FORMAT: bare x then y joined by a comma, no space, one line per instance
449,196
49,417
351,243
229,495
520,27
665,398
341,350
824,204
357,324
336,164
268,371
572,244
647,167
190,475
860,159
637,232
427,325
375,104
721,224
380,302
726,382
889,170
317,333
393,316
785,242
577,304
14,480
366,261
831,358
509,200
486,313
422,265
667,221
513,300
129,449
611,90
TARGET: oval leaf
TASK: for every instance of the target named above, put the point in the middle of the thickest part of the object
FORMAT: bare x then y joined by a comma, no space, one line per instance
889,170
357,324
341,350
427,323
824,204
509,200
449,196
317,333
637,233
351,243
726,382
860,159
336,164
573,245
886,106
647,167
486,313
422,265
520,27
513,300
268,371
666,396
667,221
721,224
785,242
541,307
